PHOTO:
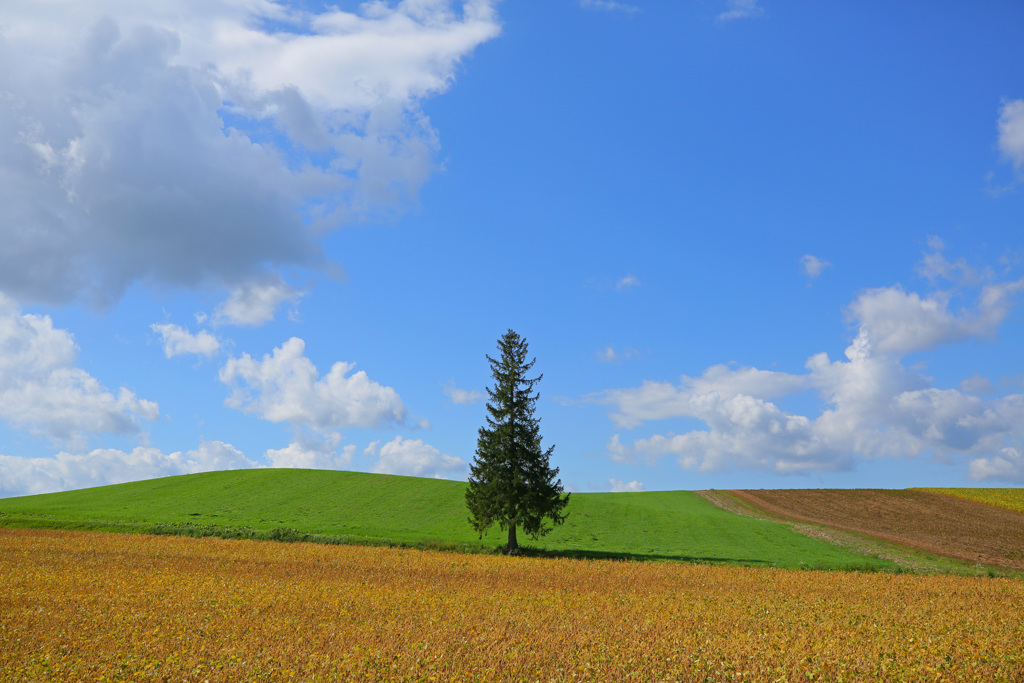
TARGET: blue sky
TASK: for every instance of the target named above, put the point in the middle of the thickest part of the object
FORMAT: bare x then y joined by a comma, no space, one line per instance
752,244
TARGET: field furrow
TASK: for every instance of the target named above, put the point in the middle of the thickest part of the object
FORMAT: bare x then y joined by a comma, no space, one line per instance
932,522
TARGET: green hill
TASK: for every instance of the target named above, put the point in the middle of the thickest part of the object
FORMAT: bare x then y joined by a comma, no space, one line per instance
331,506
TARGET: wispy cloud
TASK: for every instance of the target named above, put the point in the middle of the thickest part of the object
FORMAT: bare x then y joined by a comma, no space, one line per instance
1011,132
609,6
813,266
461,397
740,9
627,282
609,355
179,341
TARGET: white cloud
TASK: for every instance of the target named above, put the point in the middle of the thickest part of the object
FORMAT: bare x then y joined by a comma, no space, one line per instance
873,404
202,143
740,9
897,322
255,303
462,397
28,476
415,458
42,390
609,6
1011,131
661,400
623,487
627,282
934,266
609,355
1007,465
813,266
179,341
284,387
313,453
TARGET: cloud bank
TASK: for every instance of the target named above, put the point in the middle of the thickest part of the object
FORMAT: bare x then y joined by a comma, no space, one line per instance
29,476
207,143
42,391
874,404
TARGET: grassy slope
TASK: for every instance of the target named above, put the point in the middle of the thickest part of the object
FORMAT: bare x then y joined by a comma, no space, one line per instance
670,525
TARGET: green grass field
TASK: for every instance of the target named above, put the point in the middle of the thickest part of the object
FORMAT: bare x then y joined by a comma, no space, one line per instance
356,507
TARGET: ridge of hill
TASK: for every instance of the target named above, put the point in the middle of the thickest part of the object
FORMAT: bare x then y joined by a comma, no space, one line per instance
353,507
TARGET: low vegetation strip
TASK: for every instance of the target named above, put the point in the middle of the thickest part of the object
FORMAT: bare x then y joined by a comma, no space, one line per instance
1009,499
931,522
87,606
351,507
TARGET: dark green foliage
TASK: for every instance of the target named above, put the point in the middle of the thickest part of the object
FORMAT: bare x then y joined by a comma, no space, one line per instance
511,482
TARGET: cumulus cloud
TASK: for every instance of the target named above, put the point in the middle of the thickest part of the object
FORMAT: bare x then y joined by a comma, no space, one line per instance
1006,465
206,143
313,453
284,387
740,9
1011,131
255,303
873,404
662,400
813,266
898,322
415,458
179,341
462,397
623,487
28,476
41,389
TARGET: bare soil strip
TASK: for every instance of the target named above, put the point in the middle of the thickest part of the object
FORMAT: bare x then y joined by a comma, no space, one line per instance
845,539
930,522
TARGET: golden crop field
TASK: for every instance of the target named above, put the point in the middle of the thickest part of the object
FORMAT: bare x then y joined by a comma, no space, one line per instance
1010,499
87,606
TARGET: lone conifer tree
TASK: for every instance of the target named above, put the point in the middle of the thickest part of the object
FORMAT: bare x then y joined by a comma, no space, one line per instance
511,481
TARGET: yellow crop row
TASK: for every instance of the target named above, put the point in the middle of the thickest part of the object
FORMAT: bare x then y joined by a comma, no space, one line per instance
80,606
1010,499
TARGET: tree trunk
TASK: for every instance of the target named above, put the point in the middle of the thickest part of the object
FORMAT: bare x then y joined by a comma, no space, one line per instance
513,544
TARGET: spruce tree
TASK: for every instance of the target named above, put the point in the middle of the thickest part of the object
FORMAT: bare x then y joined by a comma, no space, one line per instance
511,481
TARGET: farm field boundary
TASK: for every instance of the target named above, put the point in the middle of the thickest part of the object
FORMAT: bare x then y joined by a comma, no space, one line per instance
1009,499
930,522
909,559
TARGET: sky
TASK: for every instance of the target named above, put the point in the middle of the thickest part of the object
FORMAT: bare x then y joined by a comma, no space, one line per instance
751,243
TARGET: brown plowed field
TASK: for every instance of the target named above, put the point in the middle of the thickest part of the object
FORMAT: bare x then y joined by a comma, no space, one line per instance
932,522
